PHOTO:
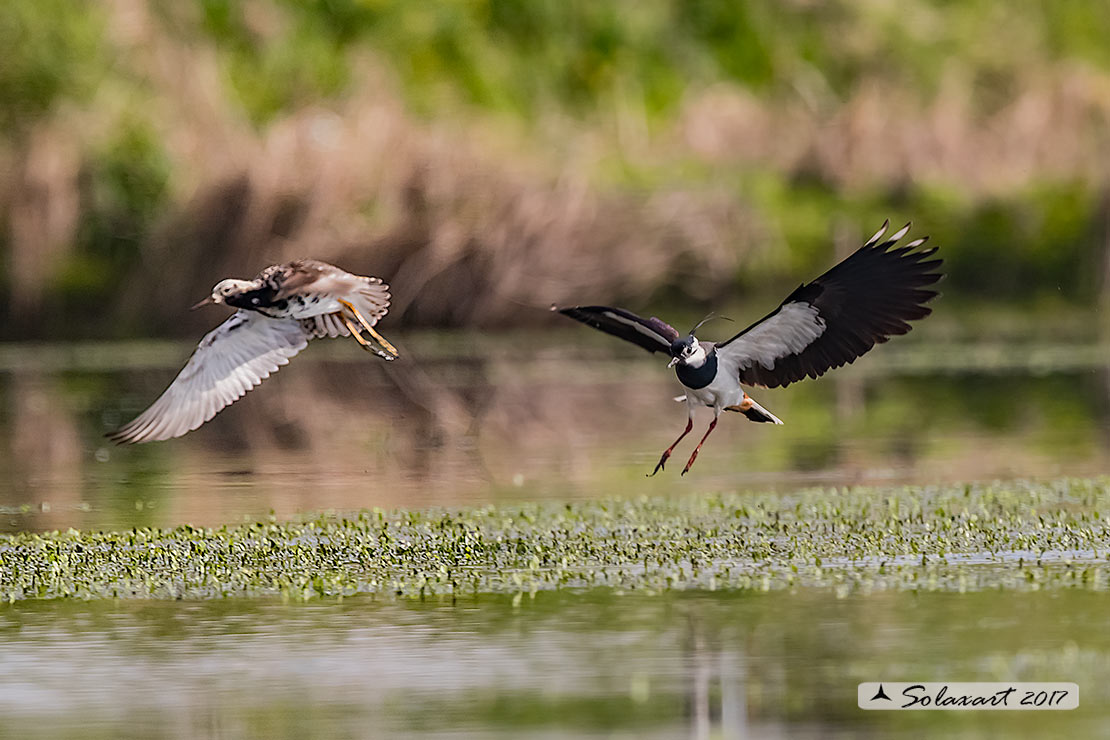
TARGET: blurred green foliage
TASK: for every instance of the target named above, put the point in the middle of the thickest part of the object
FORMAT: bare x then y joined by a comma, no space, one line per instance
529,56
53,49
1037,243
127,183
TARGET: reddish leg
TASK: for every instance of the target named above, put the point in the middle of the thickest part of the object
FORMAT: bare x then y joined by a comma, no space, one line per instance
693,457
669,450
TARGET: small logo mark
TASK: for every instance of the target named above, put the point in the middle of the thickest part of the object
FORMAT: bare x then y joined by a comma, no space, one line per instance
880,694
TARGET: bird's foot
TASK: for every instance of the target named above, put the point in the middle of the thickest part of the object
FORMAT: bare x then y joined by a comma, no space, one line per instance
667,452
689,463
370,330
382,341
380,353
357,334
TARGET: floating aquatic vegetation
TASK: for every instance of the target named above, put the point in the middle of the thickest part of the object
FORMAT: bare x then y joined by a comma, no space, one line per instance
1013,535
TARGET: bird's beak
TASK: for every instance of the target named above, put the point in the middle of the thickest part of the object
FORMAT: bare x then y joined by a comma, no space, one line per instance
205,302
673,362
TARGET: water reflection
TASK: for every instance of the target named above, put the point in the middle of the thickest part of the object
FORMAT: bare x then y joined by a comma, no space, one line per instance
560,665
333,431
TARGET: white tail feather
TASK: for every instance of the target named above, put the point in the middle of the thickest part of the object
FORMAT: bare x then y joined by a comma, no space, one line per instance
755,405
372,300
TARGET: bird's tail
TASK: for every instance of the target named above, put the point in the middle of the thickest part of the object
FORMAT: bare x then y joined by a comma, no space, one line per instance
750,408
371,299
365,306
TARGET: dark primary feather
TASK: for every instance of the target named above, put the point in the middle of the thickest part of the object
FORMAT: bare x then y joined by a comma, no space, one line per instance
652,334
863,301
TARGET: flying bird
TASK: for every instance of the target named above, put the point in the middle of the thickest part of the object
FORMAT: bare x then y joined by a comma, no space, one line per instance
862,301
279,311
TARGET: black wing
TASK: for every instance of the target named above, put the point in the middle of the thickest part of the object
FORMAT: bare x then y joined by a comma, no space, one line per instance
651,334
864,300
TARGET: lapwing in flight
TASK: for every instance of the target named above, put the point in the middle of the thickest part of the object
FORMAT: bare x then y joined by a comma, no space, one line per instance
279,311
863,301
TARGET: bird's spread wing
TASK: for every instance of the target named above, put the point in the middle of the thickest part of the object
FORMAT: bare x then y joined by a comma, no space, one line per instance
231,359
864,300
652,334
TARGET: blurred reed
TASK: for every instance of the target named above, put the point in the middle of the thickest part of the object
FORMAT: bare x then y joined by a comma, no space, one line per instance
178,153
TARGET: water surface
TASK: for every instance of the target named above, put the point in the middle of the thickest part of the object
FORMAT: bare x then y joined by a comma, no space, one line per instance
596,664
477,424
511,420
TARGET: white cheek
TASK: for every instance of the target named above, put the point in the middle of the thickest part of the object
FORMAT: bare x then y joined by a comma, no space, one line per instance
696,358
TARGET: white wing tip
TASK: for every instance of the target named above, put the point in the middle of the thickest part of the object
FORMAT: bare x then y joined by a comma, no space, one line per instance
878,234
900,233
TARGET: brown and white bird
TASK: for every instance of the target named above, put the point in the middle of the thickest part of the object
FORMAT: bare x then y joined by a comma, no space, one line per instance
863,301
279,311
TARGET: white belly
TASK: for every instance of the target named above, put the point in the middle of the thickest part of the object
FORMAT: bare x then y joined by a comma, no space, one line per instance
316,306
718,394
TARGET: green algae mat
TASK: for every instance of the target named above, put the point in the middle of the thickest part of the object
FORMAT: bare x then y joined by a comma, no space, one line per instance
1012,535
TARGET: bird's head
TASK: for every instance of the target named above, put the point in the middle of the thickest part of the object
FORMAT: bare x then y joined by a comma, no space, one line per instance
226,288
687,351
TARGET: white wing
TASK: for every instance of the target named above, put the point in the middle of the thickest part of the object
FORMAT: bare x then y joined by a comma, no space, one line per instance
231,359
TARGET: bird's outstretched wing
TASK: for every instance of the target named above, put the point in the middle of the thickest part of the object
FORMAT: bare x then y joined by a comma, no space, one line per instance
652,334
864,300
231,359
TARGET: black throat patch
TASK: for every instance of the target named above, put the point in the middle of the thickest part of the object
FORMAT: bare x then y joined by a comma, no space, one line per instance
257,299
698,377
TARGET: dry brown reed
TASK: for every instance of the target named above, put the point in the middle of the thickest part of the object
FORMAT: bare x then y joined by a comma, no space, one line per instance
1053,128
466,232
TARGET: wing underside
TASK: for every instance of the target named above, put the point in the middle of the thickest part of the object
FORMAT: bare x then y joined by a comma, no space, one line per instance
651,334
231,359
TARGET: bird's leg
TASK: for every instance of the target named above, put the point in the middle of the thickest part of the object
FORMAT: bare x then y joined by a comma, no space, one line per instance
357,334
366,324
694,456
669,450
362,342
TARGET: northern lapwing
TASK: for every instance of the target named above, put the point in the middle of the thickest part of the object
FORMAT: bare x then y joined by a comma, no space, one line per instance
279,311
864,300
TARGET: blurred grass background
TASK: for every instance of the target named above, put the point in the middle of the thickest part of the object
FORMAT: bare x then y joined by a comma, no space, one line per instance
489,157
